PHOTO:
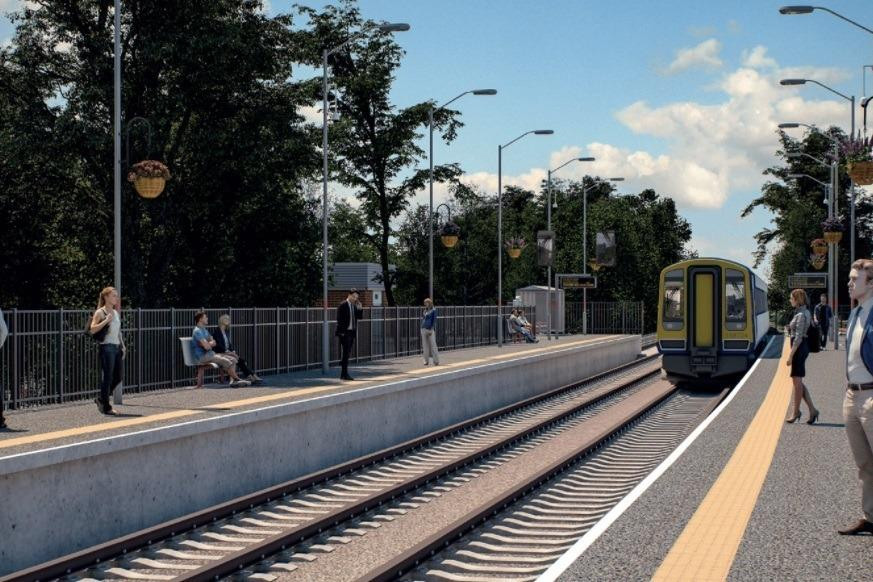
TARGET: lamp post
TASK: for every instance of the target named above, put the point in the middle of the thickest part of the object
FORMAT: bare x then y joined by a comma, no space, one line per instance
549,227
430,113
851,100
500,149
833,208
791,10
325,343
585,248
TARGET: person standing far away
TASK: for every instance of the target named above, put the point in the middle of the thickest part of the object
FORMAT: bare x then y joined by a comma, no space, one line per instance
428,333
858,402
4,332
112,348
821,317
347,315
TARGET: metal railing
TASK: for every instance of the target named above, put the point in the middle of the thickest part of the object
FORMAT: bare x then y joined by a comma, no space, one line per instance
49,359
605,317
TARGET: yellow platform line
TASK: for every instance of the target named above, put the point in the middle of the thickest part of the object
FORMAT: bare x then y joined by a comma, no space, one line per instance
707,546
284,395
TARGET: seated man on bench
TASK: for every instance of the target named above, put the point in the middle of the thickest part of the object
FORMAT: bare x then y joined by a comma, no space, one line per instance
202,344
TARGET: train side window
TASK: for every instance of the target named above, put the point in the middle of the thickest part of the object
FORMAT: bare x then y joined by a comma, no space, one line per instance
760,301
673,307
735,299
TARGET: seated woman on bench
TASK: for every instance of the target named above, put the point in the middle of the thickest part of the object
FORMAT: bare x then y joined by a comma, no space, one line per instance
516,326
202,344
223,345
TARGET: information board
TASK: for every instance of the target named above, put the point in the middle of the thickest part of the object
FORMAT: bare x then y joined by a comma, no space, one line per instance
808,281
577,281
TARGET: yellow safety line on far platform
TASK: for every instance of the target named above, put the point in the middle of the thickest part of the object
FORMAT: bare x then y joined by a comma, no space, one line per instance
707,546
285,394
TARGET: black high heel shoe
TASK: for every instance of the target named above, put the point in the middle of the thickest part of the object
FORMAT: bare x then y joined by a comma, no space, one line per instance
793,418
813,418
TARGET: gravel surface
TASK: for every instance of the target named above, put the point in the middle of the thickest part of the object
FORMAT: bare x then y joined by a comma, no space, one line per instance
352,560
24,423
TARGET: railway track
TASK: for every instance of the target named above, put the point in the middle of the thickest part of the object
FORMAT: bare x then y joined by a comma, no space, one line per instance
276,532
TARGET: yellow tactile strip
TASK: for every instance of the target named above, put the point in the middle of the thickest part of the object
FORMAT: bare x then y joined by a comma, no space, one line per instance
706,548
283,395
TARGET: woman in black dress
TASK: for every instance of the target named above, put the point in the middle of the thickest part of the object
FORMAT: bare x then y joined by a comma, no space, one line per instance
797,329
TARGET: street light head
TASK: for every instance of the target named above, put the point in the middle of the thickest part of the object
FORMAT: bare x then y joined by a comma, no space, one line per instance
792,82
616,179
585,159
793,155
544,131
796,9
394,27
789,125
485,92
796,176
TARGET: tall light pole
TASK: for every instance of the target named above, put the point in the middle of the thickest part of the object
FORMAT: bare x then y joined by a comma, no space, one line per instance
808,9
851,100
829,197
500,149
549,227
325,340
117,146
833,209
430,113
585,248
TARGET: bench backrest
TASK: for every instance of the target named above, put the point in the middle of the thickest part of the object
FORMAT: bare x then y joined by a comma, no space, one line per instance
188,351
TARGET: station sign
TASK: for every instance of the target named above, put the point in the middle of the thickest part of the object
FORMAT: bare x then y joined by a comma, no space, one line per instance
808,281
577,281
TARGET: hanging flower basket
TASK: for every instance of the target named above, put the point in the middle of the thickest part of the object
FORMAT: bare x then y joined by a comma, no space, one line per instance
833,230
594,265
514,246
149,178
861,173
819,246
817,261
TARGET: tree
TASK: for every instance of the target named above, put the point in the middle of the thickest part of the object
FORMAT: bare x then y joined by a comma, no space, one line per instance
798,211
373,146
212,77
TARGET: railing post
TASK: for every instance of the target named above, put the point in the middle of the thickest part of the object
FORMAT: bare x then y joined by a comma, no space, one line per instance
13,390
173,347
396,330
61,354
139,349
278,340
255,342
623,314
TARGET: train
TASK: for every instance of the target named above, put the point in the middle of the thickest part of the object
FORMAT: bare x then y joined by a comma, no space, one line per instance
712,318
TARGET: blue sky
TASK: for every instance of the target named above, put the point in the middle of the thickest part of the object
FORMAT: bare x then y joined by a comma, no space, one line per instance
678,95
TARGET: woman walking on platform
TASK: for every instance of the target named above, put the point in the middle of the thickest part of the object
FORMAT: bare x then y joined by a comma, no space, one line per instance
106,322
797,328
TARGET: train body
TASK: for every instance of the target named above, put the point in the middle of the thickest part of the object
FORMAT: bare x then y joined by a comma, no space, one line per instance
712,318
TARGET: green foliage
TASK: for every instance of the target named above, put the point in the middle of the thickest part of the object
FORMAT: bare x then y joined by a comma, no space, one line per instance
373,146
798,210
212,77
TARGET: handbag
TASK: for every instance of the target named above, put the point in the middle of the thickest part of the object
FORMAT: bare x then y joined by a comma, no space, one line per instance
99,335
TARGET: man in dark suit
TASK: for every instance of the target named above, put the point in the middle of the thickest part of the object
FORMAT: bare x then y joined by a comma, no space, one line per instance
347,315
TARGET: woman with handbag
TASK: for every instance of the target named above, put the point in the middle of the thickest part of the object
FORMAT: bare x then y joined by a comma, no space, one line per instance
105,328
797,330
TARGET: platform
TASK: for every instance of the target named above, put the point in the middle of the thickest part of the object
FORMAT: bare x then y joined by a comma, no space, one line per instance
734,507
174,452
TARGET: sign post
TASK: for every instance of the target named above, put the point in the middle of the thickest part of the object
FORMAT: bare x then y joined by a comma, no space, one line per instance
545,257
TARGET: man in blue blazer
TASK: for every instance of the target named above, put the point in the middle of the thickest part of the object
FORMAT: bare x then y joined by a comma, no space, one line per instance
858,402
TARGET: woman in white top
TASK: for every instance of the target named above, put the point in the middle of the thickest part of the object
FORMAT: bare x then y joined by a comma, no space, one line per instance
107,322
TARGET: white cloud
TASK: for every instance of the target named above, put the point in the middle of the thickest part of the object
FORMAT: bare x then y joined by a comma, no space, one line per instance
311,114
757,58
703,55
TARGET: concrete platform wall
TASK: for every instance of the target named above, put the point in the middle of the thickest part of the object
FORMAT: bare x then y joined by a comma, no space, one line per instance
61,500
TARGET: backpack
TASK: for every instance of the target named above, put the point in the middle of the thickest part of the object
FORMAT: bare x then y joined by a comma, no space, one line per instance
813,338
100,335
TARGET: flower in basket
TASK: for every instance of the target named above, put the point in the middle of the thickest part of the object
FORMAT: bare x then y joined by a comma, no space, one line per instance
832,225
515,243
148,169
856,149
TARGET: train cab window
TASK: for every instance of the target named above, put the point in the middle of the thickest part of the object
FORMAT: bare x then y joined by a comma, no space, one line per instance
673,307
735,300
